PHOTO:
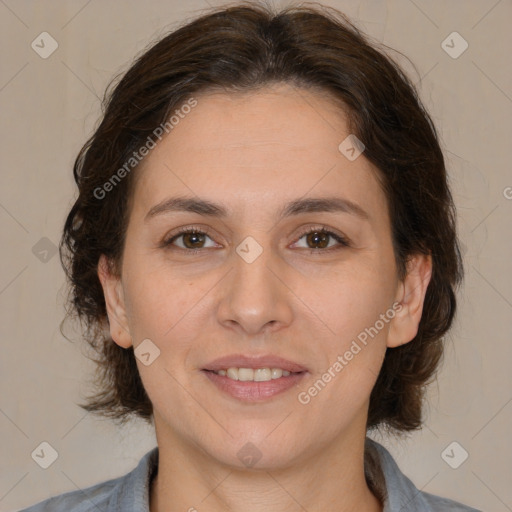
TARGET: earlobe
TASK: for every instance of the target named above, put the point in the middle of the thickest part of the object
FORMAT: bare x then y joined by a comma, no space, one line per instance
410,297
114,300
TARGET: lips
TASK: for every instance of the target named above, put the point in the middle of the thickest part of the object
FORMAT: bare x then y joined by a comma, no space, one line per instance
224,373
254,362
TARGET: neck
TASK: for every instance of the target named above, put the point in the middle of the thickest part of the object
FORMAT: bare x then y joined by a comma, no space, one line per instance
190,480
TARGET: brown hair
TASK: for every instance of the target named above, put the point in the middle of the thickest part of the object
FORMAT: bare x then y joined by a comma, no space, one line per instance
242,48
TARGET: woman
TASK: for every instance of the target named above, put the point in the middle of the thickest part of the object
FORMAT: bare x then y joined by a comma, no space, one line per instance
264,252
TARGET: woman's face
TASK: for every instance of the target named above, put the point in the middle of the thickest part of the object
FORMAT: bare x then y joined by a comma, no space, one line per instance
250,288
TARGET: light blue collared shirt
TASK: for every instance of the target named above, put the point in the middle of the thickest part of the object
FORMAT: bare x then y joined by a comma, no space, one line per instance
130,493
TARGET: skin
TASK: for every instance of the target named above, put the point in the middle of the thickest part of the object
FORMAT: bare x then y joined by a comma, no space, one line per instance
253,153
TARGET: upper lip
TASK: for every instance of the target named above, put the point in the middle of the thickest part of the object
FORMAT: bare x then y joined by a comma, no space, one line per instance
246,361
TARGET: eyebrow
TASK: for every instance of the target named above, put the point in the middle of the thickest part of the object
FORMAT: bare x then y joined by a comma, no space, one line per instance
295,207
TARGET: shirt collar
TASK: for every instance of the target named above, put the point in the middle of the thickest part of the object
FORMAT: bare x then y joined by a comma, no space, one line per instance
401,494
132,495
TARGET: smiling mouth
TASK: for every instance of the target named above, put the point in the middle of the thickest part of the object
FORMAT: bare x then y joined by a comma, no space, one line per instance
253,374
254,378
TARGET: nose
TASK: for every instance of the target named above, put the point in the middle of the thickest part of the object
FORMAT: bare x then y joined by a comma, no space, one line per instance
255,297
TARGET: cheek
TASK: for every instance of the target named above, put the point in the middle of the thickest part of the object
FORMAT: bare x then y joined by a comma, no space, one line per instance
156,300
352,299
164,308
352,351
169,308
357,308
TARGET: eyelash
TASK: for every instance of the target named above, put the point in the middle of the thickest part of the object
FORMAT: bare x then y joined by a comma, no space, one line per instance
343,241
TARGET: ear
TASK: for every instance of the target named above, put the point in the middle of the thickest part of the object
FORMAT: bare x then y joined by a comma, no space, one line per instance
410,298
114,299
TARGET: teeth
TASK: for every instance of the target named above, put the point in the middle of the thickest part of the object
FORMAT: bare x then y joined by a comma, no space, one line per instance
262,374
254,375
276,373
232,373
245,374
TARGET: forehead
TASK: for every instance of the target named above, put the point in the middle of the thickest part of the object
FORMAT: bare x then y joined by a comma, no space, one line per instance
258,148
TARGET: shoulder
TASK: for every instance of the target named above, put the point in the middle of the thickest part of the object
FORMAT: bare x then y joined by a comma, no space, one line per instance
89,499
128,493
402,494
437,503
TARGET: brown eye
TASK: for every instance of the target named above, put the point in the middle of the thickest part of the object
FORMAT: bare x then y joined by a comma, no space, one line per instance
318,240
321,240
193,240
190,239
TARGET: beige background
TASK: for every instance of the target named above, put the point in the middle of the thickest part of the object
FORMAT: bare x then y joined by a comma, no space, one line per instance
49,107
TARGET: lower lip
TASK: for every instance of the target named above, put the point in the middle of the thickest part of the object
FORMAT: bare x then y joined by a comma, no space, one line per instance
250,391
